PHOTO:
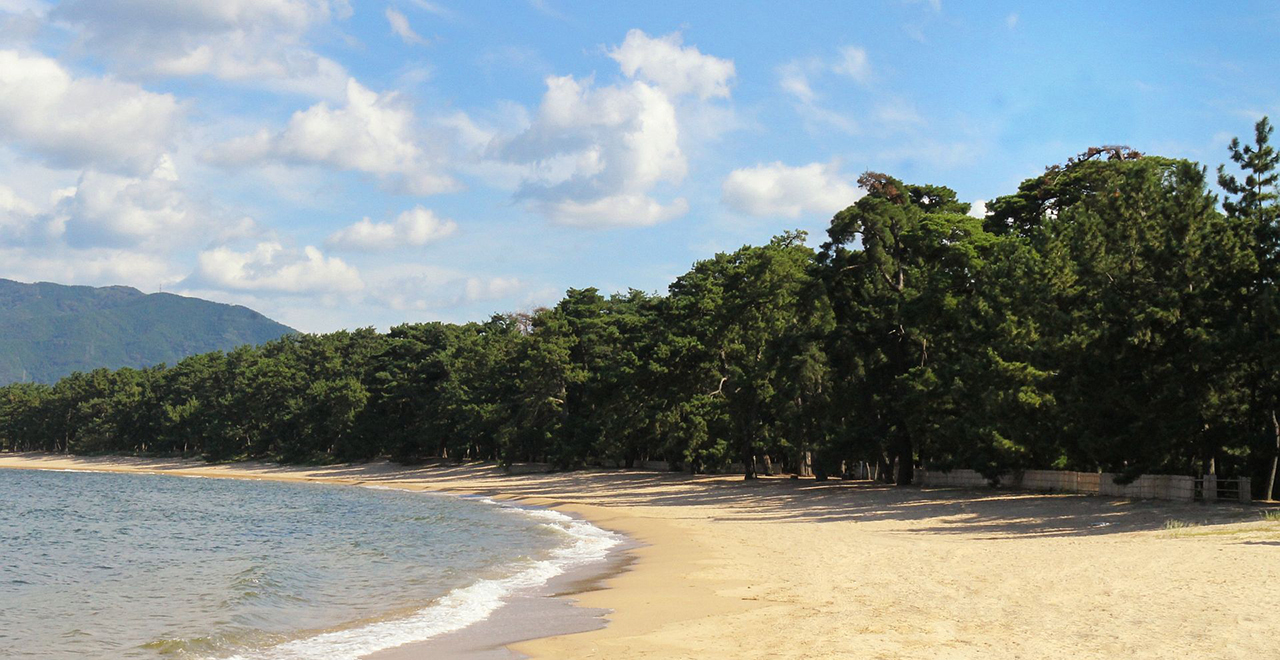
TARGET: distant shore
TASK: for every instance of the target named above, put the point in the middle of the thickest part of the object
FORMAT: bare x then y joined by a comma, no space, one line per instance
798,569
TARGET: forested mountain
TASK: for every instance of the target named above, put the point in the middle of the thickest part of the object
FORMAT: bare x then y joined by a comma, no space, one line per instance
49,330
1113,314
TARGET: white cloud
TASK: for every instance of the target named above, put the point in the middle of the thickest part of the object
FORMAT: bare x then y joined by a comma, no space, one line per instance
83,122
600,156
853,63
97,266
614,211
978,209
16,215
433,8
255,42
417,226
491,288
627,135
1011,20
301,72
23,6
400,25
269,267
423,287
587,145
779,190
10,202
889,113
372,133
240,228
545,8
893,112
676,69
154,212
108,210
817,116
795,78
21,20
201,16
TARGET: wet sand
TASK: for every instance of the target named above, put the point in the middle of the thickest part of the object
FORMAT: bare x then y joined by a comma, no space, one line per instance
798,569
531,616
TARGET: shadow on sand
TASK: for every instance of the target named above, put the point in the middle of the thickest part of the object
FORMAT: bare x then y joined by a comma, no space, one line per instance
988,513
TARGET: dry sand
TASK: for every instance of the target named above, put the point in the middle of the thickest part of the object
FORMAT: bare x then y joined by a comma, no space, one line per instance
798,569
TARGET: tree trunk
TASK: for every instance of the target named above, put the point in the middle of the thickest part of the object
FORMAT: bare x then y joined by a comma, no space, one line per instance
1275,459
906,463
906,471
884,469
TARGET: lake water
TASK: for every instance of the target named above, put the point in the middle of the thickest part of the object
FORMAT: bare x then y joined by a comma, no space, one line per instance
96,565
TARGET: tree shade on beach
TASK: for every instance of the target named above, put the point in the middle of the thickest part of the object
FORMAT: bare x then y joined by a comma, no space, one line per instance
1106,316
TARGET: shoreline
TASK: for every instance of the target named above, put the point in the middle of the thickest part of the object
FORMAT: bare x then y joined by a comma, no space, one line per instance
799,569
551,610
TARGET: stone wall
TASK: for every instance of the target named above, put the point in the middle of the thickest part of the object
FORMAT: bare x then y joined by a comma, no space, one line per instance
1173,487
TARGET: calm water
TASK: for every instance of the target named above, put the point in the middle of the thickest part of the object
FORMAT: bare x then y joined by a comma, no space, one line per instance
139,566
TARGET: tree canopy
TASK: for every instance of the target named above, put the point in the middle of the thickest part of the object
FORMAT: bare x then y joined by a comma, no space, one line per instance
1114,314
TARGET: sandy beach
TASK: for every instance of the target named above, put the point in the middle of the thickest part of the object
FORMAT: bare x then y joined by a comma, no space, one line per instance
784,568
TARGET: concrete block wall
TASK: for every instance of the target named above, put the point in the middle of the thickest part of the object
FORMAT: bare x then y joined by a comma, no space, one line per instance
1149,486
1050,480
1174,487
954,478
1088,482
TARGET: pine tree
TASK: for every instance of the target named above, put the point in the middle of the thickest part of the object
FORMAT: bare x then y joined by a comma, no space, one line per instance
1253,202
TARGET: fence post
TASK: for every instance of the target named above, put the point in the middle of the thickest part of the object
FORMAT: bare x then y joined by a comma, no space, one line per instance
1246,491
1209,490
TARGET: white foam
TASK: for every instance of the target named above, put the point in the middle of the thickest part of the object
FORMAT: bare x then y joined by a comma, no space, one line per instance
462,607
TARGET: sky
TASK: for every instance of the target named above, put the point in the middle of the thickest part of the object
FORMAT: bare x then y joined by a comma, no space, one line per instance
351,163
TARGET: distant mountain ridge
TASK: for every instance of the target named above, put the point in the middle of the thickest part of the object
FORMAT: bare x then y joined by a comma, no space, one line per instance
50,330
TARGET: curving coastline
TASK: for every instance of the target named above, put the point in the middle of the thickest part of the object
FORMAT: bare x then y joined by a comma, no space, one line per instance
463,618
797,569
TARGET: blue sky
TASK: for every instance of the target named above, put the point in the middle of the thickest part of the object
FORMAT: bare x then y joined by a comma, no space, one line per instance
339,164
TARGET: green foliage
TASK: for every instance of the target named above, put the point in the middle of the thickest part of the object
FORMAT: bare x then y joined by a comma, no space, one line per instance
48,330
1255,195
1253,209
1138,263
932,347
736,324
1106,316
